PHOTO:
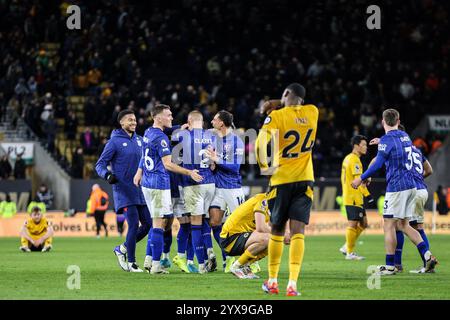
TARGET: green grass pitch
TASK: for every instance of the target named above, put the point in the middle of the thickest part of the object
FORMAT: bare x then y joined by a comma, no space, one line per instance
325,274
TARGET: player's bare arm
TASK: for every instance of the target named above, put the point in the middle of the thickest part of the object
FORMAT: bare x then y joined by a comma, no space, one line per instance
427,169
270,105
170,166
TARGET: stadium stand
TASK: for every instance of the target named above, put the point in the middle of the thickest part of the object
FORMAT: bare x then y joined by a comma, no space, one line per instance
130,55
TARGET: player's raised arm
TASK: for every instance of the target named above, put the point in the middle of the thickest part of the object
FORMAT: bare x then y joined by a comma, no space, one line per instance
384,148
265,135
270,105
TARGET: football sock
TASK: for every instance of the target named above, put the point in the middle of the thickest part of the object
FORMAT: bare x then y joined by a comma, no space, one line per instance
190,249
423,249
296,252
216,231
390,260
149,243
275,252
258,257
399,248
183,237
424,237
197,241
350,237
157,243
167,240
359,230
206,234
246,257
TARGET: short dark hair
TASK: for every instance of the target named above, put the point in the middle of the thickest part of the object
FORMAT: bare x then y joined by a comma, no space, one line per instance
158,109
123,113
390,117
356,140
297,89
226,117
35,209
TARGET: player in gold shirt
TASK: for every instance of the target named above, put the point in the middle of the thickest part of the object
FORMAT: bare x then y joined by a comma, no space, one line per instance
36,233
246,234
353,199
291,131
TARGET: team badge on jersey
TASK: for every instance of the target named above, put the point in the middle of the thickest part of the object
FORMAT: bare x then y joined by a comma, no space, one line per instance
124,144
264,204
164,143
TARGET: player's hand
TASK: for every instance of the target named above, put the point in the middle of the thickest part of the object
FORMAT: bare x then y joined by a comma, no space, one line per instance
33,242
184,126
195,176
111,178
211,154
356,183
374,141
137,178
268,106
37,242
367,182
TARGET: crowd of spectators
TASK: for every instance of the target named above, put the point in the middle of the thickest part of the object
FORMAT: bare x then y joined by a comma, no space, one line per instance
223,54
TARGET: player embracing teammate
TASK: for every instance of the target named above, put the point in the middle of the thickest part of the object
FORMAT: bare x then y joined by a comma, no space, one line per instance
395,150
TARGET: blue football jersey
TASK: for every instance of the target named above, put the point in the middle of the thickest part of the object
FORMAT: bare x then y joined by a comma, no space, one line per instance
156,146
396,149
194,144
419,160
230,150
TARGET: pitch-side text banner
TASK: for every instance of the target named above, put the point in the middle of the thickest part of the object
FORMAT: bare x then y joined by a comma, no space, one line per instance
321,223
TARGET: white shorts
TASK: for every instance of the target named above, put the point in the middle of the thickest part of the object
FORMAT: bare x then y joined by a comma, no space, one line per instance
179,208
198,198
400,205
421,199
228,200
159,202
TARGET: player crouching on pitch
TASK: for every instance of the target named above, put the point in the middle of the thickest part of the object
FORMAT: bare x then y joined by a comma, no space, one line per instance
36,233
246,233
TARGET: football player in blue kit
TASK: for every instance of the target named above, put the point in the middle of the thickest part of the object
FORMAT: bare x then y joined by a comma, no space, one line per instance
123,153
396,152
153,176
